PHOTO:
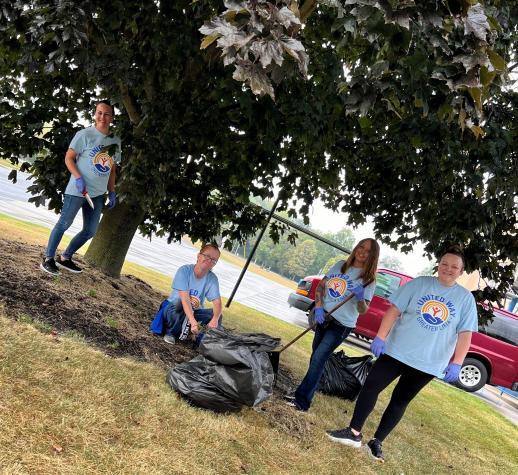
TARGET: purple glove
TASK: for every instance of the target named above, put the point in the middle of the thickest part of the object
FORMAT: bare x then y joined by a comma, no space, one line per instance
378,347
319,315
452,373
359,292
80,185
112,199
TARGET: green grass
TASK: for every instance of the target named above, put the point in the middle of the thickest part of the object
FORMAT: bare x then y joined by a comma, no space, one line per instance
7,164
66,408
38,234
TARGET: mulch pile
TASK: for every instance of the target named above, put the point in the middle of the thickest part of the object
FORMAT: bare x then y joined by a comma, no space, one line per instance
111,314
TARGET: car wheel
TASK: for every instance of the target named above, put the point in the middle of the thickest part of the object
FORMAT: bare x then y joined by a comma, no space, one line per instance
473,375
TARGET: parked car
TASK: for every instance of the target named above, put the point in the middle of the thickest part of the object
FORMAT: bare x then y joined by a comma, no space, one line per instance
492,356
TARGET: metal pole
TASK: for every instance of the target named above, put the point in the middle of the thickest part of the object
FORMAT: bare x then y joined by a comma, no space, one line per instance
304,230
234,290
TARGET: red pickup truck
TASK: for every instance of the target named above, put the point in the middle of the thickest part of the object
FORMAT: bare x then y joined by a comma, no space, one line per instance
492,357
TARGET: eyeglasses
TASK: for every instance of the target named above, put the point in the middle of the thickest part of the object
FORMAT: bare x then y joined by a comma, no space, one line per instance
208,258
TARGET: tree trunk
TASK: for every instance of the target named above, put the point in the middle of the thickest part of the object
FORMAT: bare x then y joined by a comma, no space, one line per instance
109,246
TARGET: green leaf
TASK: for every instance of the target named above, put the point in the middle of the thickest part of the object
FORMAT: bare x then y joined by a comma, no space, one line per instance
496,60
12,176
476,94
486,76
478,131
208,40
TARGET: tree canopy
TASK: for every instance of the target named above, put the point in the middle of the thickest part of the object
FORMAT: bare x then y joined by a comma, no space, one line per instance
400,114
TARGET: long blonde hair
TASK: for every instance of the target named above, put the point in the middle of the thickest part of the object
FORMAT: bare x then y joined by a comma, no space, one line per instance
368,272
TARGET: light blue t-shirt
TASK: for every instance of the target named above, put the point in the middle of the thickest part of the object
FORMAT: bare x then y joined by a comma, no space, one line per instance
96,156
432,315
338,287
199,289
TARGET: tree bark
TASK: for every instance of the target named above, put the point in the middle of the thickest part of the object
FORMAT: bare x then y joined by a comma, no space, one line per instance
109,246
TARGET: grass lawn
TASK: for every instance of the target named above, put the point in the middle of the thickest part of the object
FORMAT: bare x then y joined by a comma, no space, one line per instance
7,164
38,234
66,408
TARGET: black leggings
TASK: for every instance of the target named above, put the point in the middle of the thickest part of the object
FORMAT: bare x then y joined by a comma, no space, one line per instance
385,370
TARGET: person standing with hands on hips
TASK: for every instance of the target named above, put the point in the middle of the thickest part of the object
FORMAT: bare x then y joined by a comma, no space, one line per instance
91,160
426,332
342,280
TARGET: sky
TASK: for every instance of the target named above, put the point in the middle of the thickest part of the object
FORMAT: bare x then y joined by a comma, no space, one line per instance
326,220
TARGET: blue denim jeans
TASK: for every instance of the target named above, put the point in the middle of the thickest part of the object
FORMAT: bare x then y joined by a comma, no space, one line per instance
327,338
91,218
175,316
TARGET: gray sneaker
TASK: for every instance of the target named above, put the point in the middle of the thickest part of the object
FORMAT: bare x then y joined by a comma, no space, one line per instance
346,437
170,339
48,265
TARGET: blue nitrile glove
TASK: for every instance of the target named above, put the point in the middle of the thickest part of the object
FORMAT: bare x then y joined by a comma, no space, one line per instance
80,185
359,292
378,347
452,373
319,315
112,199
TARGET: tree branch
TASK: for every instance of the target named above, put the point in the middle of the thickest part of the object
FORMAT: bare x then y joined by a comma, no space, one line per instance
129,104
307,9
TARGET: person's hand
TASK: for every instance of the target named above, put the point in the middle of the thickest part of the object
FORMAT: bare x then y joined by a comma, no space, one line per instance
378,347
359,292
195,329
452,372
319,315
213,323
112,199
80,185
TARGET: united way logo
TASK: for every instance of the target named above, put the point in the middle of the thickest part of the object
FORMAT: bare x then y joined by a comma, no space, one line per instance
434,312
336,287
102,159
195,302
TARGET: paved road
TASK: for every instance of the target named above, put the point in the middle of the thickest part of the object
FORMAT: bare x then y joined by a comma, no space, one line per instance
255,291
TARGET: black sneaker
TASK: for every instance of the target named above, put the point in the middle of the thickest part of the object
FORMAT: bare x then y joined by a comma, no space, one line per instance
186,328
374,449
68,265
288,397
346,437
49,266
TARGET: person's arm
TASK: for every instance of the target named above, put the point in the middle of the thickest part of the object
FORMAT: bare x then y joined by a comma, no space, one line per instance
363,306
462,347
319,293
216,308
187,308
70,162
390,317
111,180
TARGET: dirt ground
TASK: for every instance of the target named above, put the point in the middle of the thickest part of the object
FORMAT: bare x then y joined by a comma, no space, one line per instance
111,314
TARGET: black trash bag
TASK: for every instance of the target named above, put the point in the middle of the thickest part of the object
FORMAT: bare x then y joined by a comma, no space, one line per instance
232,348
233,370
344,375
192,380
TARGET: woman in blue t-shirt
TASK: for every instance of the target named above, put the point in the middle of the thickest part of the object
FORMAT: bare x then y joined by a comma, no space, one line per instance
342,280
426,332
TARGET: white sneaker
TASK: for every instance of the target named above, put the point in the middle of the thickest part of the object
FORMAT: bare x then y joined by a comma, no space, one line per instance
170,339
